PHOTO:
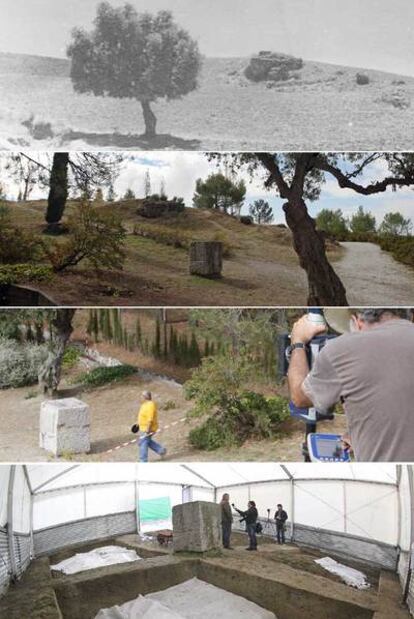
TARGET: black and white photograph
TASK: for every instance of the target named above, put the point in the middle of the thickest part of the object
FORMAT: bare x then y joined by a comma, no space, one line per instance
206,74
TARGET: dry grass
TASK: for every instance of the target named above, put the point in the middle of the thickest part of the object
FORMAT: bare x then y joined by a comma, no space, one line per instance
323,109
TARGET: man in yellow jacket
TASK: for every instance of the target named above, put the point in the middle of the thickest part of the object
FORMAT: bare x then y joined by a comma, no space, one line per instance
148,426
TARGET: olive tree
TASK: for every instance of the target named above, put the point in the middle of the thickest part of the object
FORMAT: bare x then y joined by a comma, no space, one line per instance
297,178
134,55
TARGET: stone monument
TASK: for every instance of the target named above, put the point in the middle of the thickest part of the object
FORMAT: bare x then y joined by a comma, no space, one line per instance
196,527
64,426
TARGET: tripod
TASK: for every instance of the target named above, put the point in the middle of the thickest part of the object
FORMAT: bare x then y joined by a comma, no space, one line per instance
269,527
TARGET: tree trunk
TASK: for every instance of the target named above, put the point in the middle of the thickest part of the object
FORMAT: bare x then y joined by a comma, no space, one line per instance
325,287
49,375
58,192
149,119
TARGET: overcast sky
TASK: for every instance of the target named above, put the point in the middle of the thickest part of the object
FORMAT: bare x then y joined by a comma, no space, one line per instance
364,33
180,170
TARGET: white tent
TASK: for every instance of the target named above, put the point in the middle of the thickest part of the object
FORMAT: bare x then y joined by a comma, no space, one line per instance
363,510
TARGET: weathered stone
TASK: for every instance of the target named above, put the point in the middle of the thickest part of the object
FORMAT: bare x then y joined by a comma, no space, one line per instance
64,426
362,79
272,66
196,527
206,258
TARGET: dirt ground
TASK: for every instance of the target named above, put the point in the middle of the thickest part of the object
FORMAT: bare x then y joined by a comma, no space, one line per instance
113,411
323,109
262,268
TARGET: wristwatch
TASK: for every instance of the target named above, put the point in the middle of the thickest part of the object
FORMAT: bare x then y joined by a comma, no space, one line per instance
292,347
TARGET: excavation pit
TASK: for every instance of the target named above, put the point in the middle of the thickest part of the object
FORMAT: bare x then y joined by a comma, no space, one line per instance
279,579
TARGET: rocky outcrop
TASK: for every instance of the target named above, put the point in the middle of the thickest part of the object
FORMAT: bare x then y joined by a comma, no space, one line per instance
271,66
153,209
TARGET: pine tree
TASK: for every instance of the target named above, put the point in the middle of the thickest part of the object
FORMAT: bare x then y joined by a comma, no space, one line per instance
147,183
138,333
157,342
194,356
207,348
95,326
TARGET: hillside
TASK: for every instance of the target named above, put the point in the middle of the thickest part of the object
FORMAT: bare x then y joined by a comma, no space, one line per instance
260,266
323,108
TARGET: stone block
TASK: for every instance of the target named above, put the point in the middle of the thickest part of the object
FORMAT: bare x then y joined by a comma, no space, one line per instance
196,527
206,258
64,426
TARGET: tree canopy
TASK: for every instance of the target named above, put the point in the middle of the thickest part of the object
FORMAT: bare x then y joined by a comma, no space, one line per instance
219,192
134,55
261,211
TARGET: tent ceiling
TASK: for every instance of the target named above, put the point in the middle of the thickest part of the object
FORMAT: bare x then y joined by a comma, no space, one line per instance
52,477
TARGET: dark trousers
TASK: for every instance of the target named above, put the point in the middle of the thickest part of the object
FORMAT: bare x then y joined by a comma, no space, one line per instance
226,530
280,531
251,532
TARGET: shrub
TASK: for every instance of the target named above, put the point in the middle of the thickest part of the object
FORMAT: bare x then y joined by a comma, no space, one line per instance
104,375
71,357
20,363
95,235
16,245
15,273
238,418
402,248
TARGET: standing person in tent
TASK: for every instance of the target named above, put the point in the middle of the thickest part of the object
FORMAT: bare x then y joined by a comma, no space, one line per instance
226,520
250,518
280,518
148,426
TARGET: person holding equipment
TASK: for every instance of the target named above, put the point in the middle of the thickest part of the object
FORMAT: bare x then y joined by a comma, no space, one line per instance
250,517
280,519
369,368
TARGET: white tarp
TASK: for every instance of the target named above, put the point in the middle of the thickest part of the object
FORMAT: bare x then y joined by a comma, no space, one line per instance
106,555
350,576
193,599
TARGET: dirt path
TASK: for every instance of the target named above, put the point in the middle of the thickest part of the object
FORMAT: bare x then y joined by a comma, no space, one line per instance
113,410
372,276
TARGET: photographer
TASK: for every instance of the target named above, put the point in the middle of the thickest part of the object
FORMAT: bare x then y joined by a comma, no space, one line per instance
370,370
280,519
250,518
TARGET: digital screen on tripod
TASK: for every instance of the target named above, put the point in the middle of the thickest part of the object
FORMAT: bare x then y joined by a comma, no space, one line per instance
329,449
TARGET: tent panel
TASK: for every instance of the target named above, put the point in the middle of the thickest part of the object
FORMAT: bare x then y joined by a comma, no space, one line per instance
267,496
4,485
381,473
320,504
21,503
202,494
58,507
405,511
109,499
372,512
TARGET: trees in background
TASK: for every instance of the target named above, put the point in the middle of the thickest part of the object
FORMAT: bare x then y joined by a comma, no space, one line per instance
81,172
129,194
261,211
219,192
134,55
363,222
395,224
147,183
333,223
298,178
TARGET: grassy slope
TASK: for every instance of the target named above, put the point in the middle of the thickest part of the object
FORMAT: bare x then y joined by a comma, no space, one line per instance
324,108
262,267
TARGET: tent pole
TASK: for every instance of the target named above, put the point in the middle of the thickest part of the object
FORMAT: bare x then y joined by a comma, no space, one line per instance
292,509
29,485
10,537
406,591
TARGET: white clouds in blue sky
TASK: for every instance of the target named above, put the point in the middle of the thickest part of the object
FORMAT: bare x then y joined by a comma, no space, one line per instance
179,170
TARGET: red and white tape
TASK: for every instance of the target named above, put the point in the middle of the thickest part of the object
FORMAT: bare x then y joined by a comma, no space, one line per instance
170,425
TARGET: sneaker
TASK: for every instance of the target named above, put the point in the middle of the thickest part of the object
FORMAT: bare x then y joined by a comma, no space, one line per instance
164,453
